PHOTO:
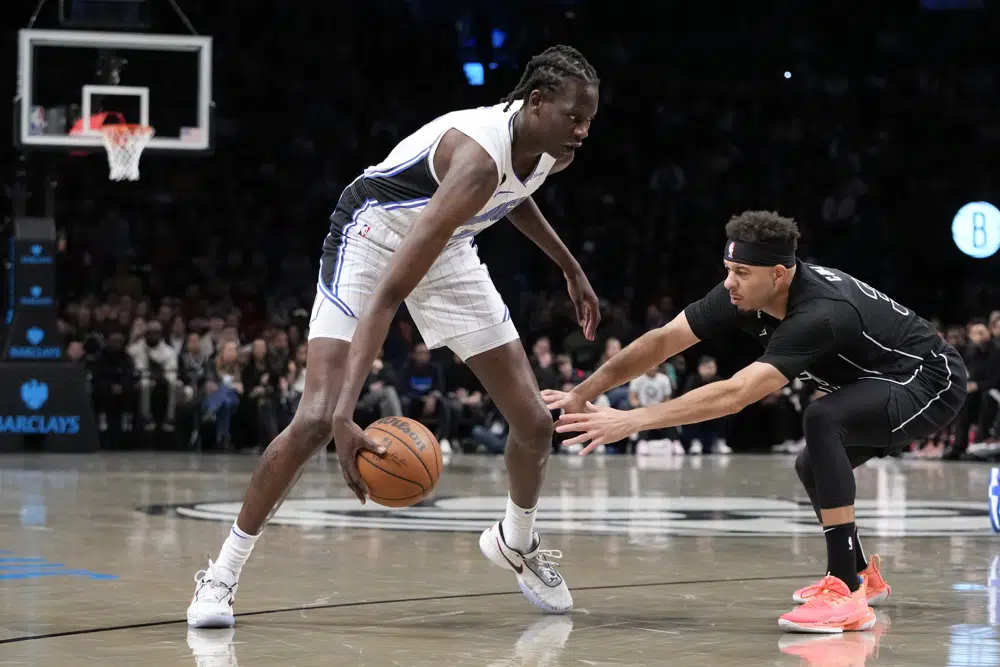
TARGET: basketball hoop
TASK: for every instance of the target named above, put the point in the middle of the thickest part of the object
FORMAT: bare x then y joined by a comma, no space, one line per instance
124,144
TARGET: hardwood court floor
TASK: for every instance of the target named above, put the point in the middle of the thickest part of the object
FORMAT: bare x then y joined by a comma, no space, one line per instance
684,562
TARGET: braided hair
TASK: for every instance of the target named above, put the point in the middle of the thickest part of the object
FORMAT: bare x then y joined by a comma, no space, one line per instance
550,69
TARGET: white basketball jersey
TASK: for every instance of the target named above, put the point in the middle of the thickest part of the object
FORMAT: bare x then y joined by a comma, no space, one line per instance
392,194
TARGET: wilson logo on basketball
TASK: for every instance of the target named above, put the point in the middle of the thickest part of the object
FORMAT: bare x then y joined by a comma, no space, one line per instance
404,426
644,518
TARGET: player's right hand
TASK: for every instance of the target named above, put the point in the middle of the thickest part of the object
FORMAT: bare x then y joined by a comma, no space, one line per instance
567,401
350,440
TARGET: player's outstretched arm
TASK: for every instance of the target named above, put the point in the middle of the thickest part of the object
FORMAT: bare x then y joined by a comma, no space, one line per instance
469,181
603,425
528,220
650,349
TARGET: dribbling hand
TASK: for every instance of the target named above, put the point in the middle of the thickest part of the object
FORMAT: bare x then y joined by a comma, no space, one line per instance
350,440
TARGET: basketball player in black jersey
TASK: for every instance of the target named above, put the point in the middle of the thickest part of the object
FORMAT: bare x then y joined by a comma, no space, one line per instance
887,376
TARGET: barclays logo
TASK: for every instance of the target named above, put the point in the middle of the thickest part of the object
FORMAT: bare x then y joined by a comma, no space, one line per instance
34,336
36,256
34,394
36,297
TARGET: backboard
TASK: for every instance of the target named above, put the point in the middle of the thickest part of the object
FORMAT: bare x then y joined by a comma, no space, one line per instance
70,82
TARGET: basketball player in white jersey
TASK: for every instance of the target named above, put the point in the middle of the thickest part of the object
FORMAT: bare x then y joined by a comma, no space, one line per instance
403,230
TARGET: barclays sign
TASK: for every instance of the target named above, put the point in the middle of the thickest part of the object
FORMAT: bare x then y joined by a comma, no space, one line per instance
34,395
36,255
34,349
36,297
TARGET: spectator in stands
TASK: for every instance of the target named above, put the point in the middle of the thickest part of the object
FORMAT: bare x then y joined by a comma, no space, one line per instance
156,364
541,364
178,334
261,378
421,388
379,393
568,376
618,398
981,356
467,398
211,342
705,435
223,390
113,389
651,388
279,349
676,370
294,383
75,350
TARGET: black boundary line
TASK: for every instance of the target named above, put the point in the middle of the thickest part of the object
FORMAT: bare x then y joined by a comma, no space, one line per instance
344,605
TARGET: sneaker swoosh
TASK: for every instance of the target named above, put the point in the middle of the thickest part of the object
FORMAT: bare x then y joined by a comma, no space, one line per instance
517,568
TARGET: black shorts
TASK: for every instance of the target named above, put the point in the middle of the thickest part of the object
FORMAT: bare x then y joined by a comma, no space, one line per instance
931,400
880,416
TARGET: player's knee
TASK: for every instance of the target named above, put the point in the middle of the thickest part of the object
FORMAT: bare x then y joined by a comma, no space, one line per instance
818,421
312,425
533,428
804,469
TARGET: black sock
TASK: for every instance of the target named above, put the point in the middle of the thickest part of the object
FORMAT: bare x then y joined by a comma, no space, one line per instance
859,552
840,558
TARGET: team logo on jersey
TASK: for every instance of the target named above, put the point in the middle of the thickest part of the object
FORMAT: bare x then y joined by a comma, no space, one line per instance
634,517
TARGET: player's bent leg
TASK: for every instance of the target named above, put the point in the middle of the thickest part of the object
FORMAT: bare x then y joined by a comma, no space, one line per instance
857,413
511,543
276,473
877,588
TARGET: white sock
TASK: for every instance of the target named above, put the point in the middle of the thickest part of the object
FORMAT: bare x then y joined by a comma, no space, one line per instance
234,554
517,526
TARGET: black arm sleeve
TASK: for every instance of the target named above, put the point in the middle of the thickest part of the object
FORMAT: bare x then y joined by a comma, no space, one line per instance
712,313
805,337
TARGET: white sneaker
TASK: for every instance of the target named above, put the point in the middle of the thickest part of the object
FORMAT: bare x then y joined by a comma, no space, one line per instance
695,447
535,570
445,446
676,448
212,605
720,447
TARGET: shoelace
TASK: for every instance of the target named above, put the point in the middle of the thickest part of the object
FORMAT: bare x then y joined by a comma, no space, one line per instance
220,589
545,563
829,591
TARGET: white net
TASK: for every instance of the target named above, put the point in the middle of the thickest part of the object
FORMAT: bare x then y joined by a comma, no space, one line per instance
124,144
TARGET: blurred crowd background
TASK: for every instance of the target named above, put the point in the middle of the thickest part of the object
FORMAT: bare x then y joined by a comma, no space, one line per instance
187,295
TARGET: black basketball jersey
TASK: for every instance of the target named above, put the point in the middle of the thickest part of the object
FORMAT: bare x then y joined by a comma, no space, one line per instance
837,330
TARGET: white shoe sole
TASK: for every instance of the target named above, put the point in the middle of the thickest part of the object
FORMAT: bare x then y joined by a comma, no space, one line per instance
821,630
212,621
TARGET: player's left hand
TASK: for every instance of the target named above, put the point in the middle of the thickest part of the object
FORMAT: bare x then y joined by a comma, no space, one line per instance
588,308
600,426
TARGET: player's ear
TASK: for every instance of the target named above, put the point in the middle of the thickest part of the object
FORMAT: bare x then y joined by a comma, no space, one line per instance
780,272
535,99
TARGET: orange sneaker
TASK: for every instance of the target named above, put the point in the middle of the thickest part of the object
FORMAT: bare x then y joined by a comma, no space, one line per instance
878,589
832,610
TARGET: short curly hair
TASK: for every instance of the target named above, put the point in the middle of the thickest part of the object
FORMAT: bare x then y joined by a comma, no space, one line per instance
762,227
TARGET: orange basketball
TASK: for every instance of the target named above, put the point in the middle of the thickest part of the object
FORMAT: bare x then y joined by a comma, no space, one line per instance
411,466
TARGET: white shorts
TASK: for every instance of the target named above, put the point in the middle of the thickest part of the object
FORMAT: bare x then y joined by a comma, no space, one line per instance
456,305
